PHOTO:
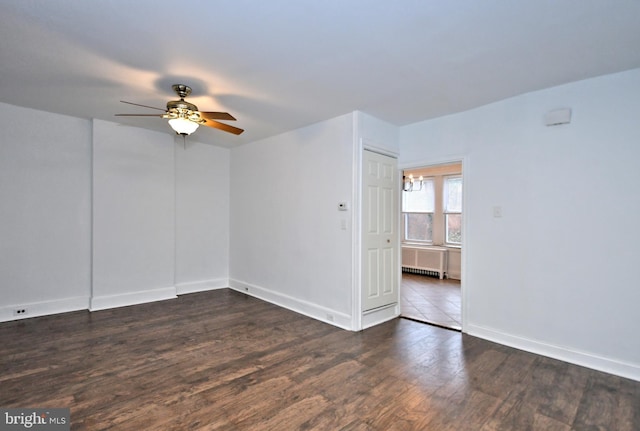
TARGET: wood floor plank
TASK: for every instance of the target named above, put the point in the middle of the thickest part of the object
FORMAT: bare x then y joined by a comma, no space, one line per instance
608,402
222,360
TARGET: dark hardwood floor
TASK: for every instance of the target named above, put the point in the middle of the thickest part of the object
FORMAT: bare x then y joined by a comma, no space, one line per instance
223,361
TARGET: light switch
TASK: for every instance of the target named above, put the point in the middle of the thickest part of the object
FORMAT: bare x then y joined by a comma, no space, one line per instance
497,212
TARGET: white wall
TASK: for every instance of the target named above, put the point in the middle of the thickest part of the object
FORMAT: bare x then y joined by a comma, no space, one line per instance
555,274
133,215
160,214
202,217
45,207
376,134
287,241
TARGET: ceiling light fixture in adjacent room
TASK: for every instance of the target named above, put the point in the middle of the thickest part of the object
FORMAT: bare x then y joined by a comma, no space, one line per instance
409,183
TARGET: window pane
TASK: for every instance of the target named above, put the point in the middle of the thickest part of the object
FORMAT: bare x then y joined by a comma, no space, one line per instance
420,201
418,227
454,228
453,194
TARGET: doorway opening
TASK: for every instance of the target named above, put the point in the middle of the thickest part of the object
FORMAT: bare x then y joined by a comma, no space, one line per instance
431,239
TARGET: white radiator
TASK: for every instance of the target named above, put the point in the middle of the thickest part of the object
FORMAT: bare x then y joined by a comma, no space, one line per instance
425,260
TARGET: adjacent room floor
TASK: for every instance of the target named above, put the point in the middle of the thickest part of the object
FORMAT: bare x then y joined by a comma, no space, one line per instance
431,300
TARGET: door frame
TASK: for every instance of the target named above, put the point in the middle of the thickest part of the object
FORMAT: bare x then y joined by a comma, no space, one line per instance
362,144
464,253
385,239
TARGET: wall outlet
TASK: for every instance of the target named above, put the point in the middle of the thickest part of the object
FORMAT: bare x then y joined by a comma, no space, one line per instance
19,311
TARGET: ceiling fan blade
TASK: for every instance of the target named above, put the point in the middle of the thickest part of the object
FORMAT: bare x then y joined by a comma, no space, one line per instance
144,106
217,116
222,126
138,115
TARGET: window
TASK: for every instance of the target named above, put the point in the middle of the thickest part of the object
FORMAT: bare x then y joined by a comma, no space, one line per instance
452,208
418,208
433,214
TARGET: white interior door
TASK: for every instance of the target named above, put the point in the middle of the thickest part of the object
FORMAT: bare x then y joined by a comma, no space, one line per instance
379,235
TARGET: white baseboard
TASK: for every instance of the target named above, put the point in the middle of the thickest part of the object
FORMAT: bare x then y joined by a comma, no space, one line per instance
44,308
132,298
589,360
201,286
315,311
380,315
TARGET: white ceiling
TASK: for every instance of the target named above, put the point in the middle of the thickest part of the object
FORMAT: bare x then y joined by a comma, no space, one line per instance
282,64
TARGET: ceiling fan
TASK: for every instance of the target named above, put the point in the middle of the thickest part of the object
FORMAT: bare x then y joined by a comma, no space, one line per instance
184,117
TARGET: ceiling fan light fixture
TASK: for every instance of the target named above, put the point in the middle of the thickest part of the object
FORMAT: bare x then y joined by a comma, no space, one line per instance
184,117
183,126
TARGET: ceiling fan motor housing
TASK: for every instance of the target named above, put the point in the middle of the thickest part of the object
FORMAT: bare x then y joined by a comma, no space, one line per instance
182,91
181,104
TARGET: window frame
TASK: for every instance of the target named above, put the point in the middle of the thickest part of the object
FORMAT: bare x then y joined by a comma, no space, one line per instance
446,212
405,240
439,216
405,229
